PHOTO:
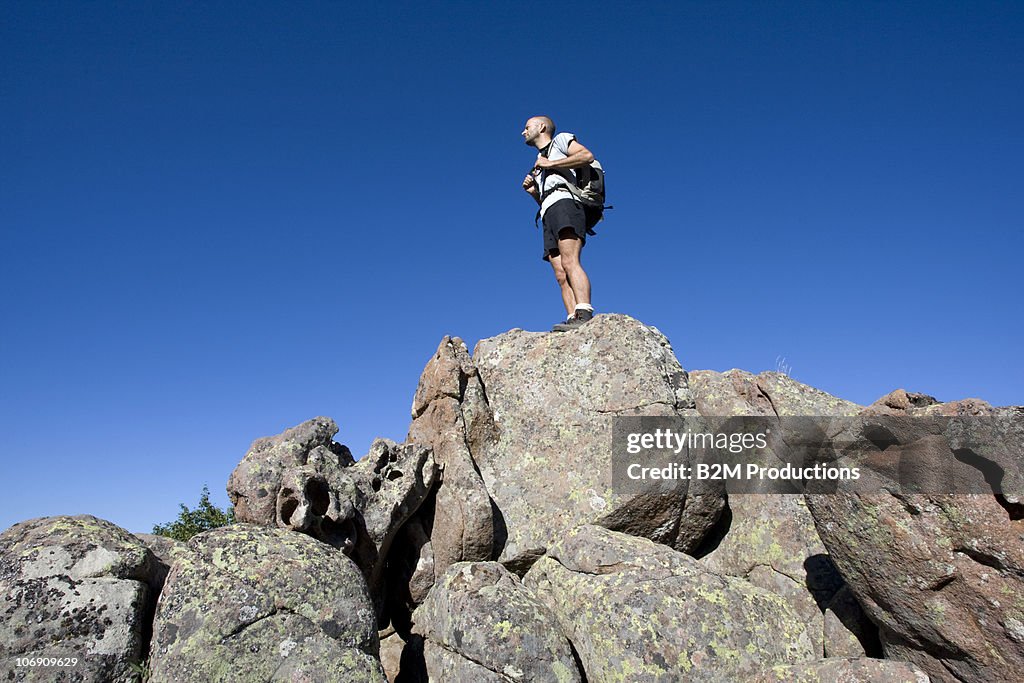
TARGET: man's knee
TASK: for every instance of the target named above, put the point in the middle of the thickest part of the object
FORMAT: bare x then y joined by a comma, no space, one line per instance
570,261
556,266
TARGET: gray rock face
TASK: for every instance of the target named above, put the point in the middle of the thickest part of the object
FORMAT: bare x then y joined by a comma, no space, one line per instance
256,485
302,480
737,392
636,610
552,398
73,587
772,541
248,603
164,551
480,623
852,670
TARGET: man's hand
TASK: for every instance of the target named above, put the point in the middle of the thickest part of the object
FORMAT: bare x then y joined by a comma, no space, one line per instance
530,184
542,162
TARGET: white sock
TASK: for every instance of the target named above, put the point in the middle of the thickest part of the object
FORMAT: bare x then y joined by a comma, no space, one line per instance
584,307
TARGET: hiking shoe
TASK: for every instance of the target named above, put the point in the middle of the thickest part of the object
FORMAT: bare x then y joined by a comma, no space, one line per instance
578,319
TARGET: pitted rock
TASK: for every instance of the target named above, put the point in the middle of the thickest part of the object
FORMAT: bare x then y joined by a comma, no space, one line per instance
304,481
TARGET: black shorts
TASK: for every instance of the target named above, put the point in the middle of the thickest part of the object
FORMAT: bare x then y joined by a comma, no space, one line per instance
566,213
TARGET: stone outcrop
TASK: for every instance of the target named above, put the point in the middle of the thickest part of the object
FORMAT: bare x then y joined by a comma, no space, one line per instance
521,431
552,398
304,481
942,575
493,545
737,392
481,624
74,587
771,539
450,414
250,603
636,610
164,551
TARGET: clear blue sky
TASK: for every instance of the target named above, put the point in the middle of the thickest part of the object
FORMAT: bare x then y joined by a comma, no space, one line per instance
221,219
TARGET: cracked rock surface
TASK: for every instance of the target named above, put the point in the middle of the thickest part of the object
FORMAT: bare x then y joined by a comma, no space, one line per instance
636,610
772,541
942,575
480,623
73,587
304,481
552,398
248,603
451,416
848,670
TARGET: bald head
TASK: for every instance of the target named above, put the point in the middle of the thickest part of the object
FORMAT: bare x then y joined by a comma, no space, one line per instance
549,125
538,131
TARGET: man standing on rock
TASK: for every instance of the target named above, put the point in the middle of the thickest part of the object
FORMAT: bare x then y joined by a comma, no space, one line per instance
566,222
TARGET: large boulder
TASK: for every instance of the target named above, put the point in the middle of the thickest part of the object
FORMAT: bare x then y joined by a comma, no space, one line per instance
636,610
941,573
772,543
73,587
771,539
249,603
981,438
481,624
552,398
304,481
737,392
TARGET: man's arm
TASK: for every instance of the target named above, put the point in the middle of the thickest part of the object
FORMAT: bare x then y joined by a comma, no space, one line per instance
579,156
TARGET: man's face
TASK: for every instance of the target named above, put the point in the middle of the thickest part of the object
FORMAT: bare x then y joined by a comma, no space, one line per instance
531,130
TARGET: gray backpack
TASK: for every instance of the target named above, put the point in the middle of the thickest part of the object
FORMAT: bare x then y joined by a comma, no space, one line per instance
588,190
589,187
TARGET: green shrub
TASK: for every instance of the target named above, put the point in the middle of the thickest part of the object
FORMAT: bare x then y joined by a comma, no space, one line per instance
206,516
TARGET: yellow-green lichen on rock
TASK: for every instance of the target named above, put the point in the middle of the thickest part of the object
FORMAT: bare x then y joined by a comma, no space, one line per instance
557,397
480,620
654,614
73,587
246,603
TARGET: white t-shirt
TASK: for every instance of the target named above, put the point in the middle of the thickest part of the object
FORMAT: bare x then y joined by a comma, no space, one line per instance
550,180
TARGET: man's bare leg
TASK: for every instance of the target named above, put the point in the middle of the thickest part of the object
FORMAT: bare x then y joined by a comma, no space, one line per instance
569,247
568,298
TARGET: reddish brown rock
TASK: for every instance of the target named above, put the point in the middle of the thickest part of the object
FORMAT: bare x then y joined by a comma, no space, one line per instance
942,575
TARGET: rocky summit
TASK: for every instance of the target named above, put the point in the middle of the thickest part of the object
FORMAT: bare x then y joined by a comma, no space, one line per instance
508,540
